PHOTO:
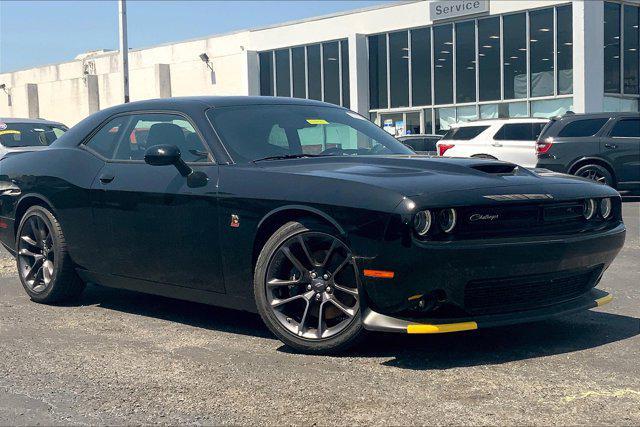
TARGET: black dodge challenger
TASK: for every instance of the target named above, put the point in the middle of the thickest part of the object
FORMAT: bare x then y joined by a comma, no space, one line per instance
308,214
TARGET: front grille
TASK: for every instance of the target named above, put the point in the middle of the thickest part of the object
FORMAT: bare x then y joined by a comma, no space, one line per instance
526,292
521,220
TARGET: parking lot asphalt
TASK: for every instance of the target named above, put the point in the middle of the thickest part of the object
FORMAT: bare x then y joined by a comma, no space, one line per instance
120,357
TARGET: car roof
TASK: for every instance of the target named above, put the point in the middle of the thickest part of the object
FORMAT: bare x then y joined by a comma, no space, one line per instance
596,115
33,121
422,135
490,122
222,101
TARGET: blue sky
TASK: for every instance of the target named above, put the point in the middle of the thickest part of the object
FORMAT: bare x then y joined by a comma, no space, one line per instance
42,32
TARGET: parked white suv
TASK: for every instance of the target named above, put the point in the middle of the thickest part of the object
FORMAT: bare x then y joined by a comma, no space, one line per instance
511,140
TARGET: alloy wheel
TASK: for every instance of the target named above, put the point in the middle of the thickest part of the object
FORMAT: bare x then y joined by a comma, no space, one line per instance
594,175
36,255
311,285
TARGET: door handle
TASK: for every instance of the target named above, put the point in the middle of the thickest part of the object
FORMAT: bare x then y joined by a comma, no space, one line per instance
612,146
106,178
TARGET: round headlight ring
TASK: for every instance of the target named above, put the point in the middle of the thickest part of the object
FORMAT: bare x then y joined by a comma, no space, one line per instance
448,219
605,208
422,222
589,209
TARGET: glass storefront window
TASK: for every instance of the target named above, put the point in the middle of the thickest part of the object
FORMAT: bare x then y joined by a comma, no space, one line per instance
443,63
516,109
616,104
266,73
331,72
551,107
611,47
541,48
399,69
346,93
466,62
631,46
565,50
283,84
421,66
378,71
428,121
467,113
504,110
412,126
298,68
515,56
313,71
489,58
445,117
393,124
489,111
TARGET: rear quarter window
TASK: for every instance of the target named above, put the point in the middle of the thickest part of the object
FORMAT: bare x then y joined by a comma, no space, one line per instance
465,133
582,128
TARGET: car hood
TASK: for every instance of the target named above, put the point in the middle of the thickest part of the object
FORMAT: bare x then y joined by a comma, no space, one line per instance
417,175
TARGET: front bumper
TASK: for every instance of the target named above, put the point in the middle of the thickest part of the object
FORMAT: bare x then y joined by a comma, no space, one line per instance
446,271
374,321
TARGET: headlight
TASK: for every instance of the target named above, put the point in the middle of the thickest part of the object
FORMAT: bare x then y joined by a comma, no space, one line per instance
422,222
589,208
605,208
448,219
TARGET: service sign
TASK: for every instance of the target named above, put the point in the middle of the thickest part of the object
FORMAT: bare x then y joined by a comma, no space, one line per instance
445,9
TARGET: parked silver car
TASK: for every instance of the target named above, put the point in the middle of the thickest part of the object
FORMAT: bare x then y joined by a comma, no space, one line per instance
27,134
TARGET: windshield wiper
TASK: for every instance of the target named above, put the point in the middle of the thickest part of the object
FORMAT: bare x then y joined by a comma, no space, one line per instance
290,156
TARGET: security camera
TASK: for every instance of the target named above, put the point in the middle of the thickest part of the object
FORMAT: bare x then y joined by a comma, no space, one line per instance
204,57
3,86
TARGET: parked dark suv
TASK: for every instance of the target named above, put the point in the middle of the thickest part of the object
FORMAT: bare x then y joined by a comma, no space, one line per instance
604,147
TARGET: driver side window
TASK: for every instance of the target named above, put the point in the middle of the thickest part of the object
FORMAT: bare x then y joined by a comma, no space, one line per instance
128,137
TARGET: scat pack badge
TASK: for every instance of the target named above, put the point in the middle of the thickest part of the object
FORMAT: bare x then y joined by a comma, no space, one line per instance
235,221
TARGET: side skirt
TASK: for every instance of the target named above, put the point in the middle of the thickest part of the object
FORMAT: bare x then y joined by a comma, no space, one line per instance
169,291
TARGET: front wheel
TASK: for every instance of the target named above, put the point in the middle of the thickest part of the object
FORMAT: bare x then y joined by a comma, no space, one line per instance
44,266
306,289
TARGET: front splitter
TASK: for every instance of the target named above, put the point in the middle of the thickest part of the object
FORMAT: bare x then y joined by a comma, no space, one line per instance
374,321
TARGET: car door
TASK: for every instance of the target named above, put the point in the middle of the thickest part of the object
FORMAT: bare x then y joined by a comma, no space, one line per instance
153,223
622,149
516,144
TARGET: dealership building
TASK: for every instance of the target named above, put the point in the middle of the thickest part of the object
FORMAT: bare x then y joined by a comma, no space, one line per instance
414,66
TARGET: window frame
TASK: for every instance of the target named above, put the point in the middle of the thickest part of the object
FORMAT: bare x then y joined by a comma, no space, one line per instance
83,143
622,119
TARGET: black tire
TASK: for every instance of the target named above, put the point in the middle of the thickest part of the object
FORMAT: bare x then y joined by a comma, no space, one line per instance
63,282
596,173
483,156
349,336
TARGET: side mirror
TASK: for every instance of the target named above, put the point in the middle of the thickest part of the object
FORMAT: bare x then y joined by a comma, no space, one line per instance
165,155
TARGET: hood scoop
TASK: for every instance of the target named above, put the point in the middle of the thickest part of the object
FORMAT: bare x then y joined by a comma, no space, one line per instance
496,168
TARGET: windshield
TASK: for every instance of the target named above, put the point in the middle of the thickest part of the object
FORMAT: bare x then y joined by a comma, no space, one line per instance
13,135
255,132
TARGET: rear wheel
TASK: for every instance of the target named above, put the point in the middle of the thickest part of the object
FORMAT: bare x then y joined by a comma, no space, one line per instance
596,173
44,266
306,289
483,156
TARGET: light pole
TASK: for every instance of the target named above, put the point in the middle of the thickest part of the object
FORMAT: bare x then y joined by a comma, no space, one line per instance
124,49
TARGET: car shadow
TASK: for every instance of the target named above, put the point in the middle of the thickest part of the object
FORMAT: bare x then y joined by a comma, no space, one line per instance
174,310
490,346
